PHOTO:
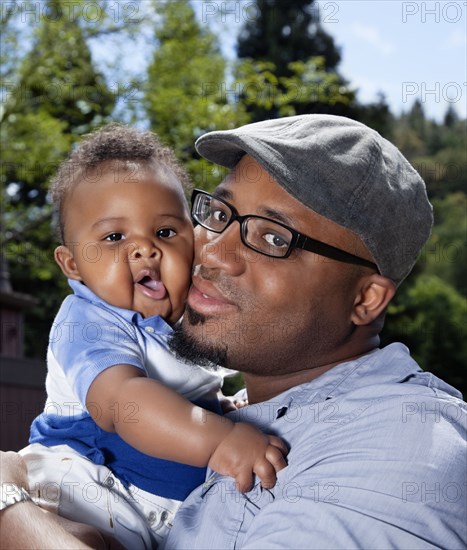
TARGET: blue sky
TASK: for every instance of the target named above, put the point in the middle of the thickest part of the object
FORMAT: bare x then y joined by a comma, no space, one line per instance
405,49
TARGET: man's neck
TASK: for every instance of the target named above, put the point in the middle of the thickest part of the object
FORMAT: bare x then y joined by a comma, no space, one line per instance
262,388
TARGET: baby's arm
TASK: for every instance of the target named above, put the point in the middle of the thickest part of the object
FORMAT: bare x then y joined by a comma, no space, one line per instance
166,425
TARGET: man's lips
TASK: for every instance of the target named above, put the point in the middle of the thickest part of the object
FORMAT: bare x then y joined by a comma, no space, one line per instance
148,283
204,297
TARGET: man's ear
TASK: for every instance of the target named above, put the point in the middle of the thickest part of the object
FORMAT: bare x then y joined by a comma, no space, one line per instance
64,258
374,295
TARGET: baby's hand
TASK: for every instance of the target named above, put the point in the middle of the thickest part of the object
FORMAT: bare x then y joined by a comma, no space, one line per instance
245,451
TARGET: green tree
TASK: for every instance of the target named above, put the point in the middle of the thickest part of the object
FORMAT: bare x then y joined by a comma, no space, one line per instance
290,63
429,312
450,117
445,253
285,31
286,47
267,95
378,116
417,121
55,96
185,92
407,139
437,151
429,316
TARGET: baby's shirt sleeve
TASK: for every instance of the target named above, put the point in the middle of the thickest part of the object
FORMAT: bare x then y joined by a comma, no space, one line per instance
87,338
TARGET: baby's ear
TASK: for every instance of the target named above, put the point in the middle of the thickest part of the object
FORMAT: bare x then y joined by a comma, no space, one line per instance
375,294
64,258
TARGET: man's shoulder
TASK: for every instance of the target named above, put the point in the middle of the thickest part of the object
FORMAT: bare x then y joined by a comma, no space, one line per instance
406,417
405,412
397,441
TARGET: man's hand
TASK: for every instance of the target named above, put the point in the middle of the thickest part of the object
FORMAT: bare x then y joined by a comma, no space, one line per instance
247,451
25,525
13,469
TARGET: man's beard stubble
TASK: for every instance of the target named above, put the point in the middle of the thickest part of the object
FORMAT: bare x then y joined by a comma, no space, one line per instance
191,350
197,350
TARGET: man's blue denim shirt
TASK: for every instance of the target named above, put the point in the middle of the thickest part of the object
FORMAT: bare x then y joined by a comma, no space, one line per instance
378,459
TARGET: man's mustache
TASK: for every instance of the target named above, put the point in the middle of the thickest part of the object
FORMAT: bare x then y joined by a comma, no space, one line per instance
223,282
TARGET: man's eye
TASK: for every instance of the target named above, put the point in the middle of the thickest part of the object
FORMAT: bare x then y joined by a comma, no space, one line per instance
114,237
166,233
275,240
219,215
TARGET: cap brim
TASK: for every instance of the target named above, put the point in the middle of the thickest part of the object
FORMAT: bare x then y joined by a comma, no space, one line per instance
221,150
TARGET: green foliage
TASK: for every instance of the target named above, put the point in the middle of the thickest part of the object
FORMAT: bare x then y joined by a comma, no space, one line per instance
233,384
430,317
185,92
290,63
56,95
429,312
32,143
58,76
445,253
437,151
308,84
286,31
376,115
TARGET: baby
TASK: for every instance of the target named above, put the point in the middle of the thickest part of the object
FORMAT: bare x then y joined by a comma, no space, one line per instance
117,397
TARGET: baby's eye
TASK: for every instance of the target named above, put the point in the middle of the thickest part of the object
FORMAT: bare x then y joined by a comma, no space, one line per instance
114,237
166,233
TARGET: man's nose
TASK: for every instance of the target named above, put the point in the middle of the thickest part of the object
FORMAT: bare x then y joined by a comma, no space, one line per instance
223,251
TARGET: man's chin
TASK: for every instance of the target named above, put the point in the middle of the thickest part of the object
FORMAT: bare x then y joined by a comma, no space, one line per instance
190,344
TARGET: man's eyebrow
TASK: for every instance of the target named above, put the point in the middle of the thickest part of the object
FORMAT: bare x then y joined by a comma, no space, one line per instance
276,215
267,212
222,193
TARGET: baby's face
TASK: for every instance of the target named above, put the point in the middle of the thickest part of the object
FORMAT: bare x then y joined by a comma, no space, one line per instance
131,240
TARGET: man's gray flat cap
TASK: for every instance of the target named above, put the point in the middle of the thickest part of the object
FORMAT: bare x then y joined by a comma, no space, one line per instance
344,171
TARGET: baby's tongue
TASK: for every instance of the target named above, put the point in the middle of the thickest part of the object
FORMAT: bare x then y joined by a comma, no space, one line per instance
155,288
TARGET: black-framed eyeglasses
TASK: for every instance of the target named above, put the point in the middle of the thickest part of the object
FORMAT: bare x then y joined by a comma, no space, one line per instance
261,234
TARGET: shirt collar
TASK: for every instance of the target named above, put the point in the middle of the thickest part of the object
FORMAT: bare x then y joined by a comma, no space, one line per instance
391,364
156,321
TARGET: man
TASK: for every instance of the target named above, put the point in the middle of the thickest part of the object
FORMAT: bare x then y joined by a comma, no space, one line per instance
299,251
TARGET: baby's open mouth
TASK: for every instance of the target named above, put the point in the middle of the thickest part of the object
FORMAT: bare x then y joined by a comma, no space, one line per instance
150,285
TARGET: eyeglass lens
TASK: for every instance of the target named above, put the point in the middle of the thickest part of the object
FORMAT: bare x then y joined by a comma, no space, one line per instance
261,234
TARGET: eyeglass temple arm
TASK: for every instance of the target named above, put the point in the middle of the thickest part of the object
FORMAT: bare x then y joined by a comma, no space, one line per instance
329,251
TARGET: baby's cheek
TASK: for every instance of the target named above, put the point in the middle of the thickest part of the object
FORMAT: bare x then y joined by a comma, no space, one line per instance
179,280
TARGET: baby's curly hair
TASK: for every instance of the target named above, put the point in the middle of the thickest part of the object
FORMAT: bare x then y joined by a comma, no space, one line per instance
117,144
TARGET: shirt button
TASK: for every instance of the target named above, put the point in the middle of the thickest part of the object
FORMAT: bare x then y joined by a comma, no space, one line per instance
110,482
149,329
152,517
